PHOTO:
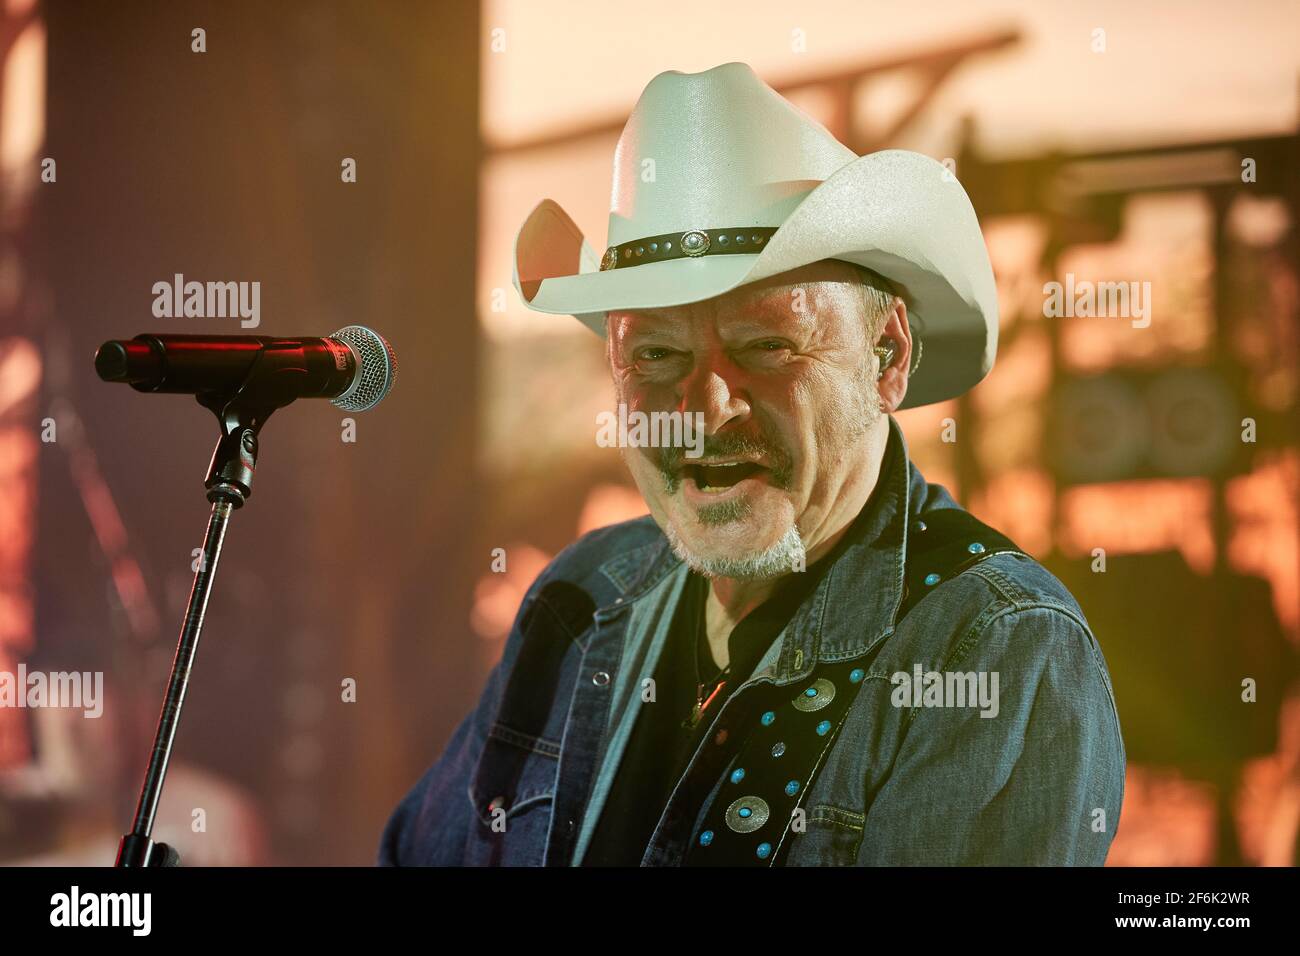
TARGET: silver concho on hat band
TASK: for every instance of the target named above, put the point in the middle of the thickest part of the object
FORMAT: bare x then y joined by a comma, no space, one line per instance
610,259
747,814
695,243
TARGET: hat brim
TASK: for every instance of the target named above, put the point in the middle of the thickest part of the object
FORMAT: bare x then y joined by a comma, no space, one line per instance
899,213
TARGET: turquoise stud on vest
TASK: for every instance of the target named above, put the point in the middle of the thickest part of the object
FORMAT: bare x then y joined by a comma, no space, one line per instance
768,718
764,851
975,548
706,838
932,579
738,775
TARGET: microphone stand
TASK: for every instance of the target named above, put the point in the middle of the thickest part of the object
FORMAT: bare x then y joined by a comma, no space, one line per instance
241,415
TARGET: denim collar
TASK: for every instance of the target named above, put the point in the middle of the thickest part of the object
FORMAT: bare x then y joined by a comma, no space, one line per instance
866,577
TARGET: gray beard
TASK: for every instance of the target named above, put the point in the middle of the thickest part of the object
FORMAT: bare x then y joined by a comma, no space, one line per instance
784,557
789,553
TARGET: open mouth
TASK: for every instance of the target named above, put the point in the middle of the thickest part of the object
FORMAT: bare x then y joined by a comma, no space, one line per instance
719,477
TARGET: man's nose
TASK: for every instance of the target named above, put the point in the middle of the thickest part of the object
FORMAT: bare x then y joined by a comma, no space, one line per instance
716,390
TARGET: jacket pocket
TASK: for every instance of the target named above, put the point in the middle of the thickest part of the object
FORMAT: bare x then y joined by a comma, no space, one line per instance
512,792
832,838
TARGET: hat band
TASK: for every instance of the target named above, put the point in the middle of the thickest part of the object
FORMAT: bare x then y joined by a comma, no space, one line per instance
687,245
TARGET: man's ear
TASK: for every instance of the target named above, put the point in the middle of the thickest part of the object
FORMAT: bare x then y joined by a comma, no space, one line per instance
892,380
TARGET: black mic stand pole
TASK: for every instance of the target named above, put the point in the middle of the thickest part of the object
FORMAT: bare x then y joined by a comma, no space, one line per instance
229,484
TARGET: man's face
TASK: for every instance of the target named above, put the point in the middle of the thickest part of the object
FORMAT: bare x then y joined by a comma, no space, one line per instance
782,371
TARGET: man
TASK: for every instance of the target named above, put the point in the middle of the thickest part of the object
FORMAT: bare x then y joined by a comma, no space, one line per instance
806,654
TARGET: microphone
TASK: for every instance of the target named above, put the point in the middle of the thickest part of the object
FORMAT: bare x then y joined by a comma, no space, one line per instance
354,368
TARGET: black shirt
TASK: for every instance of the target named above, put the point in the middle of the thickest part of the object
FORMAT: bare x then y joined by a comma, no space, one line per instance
664,738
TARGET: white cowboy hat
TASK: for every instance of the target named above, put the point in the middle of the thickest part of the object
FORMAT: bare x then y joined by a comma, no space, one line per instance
719,181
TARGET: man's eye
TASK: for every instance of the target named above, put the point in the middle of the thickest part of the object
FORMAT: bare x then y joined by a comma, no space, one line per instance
653,354
772,345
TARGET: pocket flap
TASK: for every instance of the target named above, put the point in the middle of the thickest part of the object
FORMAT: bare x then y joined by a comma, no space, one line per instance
515,771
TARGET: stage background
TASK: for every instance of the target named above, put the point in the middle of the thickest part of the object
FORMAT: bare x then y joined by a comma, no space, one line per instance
1103,142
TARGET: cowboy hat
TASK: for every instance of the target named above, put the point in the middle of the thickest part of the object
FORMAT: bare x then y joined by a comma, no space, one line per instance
719,182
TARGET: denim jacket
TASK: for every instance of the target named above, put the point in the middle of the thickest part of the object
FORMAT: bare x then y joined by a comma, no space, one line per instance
1038,781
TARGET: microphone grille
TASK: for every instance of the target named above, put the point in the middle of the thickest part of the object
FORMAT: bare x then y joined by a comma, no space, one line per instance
376,372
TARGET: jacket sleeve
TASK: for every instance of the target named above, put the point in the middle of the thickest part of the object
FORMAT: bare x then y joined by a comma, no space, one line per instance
1038,782
430,826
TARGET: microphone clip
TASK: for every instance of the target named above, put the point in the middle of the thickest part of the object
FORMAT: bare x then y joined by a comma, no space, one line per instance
241,414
